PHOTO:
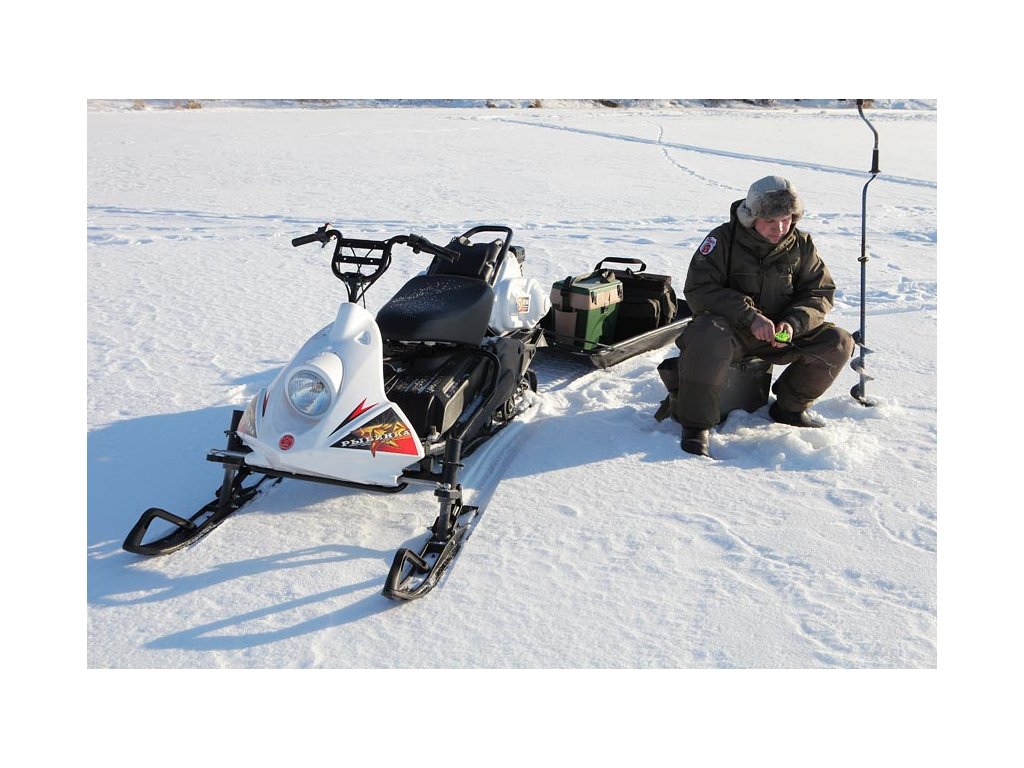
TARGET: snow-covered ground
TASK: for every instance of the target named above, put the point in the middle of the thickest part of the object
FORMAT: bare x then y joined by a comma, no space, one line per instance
602,546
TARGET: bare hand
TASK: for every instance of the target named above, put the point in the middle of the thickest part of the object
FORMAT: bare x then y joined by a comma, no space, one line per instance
763,329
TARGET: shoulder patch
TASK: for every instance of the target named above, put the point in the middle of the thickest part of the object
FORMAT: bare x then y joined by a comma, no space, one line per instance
708,245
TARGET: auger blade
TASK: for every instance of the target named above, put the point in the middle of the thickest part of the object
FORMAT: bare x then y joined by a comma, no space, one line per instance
858,366
858,394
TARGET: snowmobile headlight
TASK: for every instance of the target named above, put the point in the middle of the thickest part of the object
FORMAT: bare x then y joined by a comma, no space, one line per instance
308,392
312,386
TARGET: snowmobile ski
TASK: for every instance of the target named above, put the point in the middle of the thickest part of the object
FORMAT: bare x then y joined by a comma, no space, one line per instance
231,497
412,575
188,531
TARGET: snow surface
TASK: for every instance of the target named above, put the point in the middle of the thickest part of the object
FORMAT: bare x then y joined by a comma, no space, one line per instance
602,546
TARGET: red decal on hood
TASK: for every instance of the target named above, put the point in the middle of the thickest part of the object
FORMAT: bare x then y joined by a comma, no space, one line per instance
356,413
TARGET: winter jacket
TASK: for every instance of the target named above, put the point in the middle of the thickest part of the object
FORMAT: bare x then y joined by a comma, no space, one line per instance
736,273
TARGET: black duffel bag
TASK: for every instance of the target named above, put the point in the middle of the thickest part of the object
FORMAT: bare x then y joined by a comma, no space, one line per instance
648,300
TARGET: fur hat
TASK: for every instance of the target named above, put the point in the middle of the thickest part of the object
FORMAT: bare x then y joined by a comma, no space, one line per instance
770,198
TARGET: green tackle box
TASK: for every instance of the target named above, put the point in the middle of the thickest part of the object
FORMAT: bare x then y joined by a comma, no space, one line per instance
585,309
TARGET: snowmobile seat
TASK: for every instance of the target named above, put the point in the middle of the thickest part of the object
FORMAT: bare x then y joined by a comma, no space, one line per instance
446,308
478,260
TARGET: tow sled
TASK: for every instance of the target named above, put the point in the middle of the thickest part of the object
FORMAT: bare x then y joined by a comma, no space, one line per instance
609,315
377,403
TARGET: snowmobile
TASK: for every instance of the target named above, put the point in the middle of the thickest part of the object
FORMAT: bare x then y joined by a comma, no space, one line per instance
376,403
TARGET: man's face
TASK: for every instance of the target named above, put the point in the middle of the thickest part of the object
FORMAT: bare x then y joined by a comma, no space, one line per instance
773,230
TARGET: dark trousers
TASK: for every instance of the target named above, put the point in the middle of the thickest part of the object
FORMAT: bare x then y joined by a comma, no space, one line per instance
710,345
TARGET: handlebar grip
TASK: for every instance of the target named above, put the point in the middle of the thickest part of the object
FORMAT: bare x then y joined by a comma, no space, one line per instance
419,243
314,238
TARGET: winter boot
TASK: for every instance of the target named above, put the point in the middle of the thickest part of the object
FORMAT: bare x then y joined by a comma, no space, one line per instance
793,418
695,441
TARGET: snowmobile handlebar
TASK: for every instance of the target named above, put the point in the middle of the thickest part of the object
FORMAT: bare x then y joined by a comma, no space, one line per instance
375,254
418,243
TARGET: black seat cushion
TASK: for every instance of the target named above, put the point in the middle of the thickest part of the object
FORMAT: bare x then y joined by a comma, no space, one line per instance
447,308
